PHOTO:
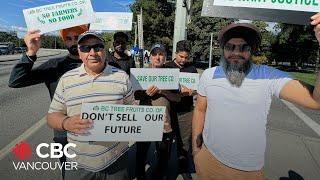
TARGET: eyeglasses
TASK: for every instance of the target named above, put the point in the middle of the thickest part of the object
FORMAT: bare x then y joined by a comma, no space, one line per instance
241,47
95,47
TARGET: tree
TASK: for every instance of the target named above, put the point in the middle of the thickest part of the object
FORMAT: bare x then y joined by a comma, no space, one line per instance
264,53
9,37
158,21
295,44
51,42
108,38
199,31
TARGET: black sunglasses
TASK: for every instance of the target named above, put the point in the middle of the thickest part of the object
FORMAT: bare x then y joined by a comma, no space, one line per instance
95,47
242,47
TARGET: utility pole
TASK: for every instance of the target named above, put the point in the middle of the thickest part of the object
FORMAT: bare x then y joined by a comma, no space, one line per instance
182,18
211,47
135,34
55,42
140,35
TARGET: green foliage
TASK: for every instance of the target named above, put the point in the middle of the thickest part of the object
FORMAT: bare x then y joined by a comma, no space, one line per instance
9,37
49,41
199,31
307,77
268,38
262,59
108,38
158,21
295,44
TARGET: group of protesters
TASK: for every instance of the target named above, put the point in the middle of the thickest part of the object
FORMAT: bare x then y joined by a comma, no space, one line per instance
224,133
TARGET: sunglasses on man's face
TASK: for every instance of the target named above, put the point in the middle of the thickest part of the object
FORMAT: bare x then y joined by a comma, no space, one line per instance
241,47
95,47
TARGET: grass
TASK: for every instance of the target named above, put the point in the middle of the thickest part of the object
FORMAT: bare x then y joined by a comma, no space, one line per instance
307,77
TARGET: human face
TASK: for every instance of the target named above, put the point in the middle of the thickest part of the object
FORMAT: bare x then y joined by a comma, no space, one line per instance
237,51
94,62
71,43
120,44
181,57
157,58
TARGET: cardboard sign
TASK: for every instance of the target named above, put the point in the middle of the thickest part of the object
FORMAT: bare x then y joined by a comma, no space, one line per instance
112,122
255,12
59,16
112,21
163,78
190,80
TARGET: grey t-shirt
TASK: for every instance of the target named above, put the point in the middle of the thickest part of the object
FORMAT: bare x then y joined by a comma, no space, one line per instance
235,120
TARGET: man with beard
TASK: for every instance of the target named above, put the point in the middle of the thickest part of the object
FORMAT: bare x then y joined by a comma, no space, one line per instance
23,75
119,58
182,111
233,103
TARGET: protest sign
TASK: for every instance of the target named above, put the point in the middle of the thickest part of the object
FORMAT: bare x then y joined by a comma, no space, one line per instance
285,11
113,122
112,21
59,16
190,80
163,78
293,5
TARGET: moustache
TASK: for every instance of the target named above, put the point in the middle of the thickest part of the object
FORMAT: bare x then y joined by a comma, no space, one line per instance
94,59
73,50
236,57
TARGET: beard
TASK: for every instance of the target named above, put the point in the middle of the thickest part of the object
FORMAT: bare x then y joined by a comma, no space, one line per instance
235,73
73,50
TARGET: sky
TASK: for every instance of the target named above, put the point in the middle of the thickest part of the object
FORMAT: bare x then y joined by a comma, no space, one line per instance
11,16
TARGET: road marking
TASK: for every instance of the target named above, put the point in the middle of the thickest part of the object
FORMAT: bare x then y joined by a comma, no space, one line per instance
7,149
306,119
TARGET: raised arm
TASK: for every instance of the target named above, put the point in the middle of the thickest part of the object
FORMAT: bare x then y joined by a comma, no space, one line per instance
301,93
22,74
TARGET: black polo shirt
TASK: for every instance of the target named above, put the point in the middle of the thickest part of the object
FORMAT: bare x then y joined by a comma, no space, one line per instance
124,63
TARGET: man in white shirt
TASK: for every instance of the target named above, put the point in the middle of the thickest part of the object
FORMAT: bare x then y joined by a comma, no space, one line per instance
233,103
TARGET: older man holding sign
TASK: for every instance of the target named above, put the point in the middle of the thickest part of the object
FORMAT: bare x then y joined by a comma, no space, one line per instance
154,95
232,106
94,81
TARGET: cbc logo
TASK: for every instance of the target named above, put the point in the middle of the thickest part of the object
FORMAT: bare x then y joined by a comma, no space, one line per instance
56,150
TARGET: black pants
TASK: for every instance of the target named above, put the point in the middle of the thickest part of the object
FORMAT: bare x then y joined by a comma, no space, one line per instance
163,149
63,141
181,152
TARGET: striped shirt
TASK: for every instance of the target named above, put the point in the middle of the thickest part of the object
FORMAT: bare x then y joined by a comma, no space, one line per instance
75,87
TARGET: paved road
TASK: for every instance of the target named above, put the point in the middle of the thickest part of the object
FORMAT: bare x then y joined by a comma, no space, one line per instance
291,143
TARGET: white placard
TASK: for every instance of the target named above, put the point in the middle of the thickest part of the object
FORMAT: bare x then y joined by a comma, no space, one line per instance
190,80
112,21
163,78
293,5
112,122
59,16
